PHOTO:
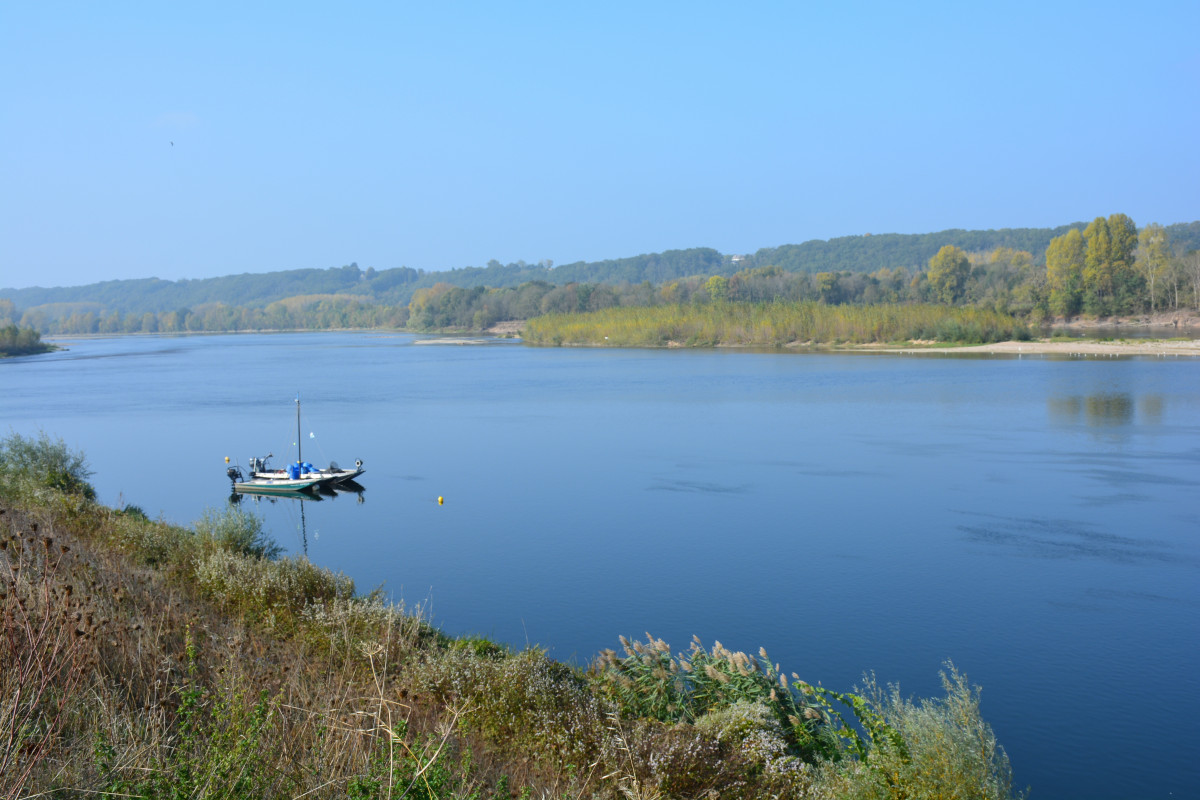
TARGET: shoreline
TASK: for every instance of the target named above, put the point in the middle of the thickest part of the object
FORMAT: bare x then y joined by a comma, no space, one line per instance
1175,347
1044,347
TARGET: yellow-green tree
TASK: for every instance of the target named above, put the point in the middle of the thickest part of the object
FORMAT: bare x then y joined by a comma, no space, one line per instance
1153,257
1065,259
718,288
1110,282
948,272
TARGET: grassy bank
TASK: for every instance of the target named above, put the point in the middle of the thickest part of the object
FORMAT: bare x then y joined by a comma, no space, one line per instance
772,325
143,659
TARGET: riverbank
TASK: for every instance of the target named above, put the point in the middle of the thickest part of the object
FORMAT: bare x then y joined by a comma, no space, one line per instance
196,662
1165,348
1185,322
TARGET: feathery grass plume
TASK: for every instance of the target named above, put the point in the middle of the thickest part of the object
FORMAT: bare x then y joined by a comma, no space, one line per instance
685,689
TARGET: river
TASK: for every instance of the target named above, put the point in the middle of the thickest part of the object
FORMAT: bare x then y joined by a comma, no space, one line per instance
1033,519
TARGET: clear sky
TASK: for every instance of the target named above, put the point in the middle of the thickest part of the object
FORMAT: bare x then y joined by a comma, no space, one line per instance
189,140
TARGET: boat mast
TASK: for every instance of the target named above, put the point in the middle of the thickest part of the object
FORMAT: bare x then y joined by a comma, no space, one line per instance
299,459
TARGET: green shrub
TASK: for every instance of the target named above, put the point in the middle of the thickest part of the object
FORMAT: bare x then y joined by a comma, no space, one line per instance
237,531
944,749
524,703
264,589
43,462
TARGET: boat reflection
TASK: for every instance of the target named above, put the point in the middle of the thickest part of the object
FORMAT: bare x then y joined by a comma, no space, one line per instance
319,495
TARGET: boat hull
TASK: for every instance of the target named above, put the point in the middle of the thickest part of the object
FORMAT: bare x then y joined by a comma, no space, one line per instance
275,486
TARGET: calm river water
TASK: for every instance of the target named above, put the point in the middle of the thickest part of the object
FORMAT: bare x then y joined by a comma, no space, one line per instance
1033,519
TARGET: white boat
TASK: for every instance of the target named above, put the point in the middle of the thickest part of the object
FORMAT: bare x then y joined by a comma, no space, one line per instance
296,477
333,474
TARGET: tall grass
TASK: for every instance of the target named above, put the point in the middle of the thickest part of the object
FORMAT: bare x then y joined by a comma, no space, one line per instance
772,325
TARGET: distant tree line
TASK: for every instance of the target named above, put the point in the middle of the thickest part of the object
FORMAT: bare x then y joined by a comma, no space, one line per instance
1103,268
866,254
329,312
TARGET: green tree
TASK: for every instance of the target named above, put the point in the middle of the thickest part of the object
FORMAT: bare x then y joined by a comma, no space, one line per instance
827,287
948,272
718,288
1111,285
1153,257
1065,259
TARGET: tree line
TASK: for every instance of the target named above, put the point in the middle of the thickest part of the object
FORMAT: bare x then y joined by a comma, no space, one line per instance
328,312
1104,268
858,255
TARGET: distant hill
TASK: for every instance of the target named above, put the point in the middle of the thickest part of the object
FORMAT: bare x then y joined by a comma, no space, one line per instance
864,253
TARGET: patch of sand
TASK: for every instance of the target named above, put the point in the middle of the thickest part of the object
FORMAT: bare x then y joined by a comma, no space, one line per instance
1083,347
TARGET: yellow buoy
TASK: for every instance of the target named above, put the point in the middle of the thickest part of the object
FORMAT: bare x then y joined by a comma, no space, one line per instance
226,459
440,501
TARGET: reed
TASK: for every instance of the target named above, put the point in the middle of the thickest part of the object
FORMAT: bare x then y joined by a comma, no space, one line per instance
773,325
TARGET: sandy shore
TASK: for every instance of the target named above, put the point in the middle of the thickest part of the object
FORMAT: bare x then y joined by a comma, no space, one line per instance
1081,347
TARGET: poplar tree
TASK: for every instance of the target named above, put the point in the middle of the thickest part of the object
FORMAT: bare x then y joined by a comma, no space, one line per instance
1110,282
1065,258
1153,257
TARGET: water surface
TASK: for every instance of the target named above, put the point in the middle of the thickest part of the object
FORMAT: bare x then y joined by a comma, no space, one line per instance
1033,519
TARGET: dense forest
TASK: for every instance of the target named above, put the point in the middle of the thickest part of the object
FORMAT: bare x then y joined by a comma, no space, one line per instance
1107,267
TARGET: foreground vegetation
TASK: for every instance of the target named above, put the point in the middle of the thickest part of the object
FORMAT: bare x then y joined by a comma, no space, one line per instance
772,325
147,660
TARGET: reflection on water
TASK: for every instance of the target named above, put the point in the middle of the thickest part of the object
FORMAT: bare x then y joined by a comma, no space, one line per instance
351,488
1151,408
1106,410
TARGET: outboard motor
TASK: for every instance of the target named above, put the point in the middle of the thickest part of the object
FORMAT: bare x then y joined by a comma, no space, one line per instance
234,474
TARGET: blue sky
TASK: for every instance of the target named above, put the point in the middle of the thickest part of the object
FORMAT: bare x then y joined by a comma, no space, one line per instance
444,135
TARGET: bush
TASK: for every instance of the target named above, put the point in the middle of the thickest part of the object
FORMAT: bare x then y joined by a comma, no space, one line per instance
238,532
946,749
524,703
265,588
43,462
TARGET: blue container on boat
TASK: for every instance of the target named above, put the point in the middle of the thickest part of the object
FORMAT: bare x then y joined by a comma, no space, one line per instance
294,471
